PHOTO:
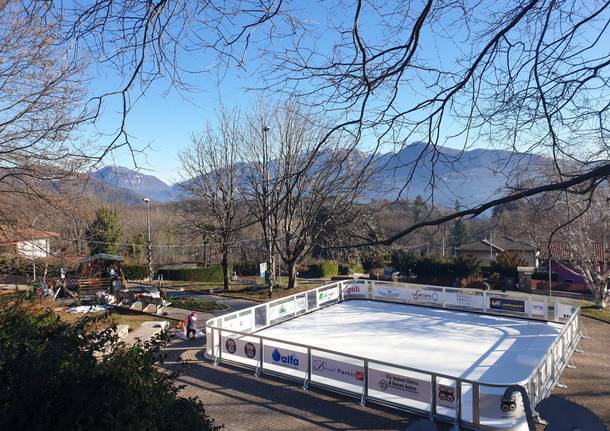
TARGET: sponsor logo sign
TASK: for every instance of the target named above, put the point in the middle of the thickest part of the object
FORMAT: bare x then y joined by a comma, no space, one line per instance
239,347
300,304
445,396
337,370
241,323
538,308
388,292
495,405
281,310
230,345
565,311
250,350
285,358
354,289
328,295
423,295
504,304
401,386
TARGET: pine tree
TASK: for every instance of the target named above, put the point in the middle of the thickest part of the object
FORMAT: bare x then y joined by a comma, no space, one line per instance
104,234
458,234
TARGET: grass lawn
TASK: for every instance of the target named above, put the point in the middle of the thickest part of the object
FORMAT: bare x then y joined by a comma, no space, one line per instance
590,309
198,304
261,293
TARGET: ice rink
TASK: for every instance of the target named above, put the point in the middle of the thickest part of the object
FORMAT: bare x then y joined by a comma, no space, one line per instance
486,348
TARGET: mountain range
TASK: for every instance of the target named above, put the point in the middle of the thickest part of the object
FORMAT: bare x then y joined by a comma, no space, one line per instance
470,177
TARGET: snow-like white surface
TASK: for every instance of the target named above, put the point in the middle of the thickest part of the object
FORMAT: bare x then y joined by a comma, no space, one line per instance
489,349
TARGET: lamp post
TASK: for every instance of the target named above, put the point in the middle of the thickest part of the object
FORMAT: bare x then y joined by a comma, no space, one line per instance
149,245
269,274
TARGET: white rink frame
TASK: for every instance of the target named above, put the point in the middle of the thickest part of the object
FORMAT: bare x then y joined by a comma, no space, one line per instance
241,327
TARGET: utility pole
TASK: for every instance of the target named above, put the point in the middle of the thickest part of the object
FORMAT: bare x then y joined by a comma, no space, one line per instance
149,246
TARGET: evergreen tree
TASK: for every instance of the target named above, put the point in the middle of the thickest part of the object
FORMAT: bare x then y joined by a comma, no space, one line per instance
419,208
104,234
136,246
458,234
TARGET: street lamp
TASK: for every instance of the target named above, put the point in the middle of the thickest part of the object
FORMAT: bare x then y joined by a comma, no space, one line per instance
269,274
149,246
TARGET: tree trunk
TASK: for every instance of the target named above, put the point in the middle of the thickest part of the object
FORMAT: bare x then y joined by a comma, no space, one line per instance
226,277
292,274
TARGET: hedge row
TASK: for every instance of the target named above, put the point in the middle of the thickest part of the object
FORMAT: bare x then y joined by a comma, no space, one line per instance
544,276
136,271
210,274
351,268
325,269
459,267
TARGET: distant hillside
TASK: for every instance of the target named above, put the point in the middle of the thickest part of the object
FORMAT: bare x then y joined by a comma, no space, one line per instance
468,176
137,184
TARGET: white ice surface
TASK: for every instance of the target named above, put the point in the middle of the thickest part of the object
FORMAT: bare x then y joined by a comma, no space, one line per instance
489,349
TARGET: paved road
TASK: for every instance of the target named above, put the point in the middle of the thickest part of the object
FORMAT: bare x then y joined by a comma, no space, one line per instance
242,402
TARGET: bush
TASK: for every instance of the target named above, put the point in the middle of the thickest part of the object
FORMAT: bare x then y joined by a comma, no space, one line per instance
54,376
326,269
135,271
544,276
210,274
351,268
478,284
247,268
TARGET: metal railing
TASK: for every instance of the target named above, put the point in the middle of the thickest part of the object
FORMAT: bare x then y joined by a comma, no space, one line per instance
233,338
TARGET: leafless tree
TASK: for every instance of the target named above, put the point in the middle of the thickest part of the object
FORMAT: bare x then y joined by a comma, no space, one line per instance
298,207
212,184
41,105
572,229
530,76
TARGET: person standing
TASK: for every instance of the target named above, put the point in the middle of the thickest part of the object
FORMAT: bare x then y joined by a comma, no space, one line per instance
191,325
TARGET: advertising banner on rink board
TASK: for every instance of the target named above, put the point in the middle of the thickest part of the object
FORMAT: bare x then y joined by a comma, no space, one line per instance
240,323
300,304
445,396
281,310
505,304
337,370
355,289
401,386
233,345
462,299
328,295
538,308
390,293
285,358
496,406
424,296
564,311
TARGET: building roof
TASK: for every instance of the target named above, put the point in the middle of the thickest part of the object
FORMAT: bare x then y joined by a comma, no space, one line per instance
104,257
561,250
14,234
498,244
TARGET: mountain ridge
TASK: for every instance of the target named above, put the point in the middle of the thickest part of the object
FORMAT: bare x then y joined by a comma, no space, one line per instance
470,176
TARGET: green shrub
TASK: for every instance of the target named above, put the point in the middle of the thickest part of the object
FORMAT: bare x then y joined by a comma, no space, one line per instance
247,268
56,375
135,271
544,276
351,268
326,269
209,274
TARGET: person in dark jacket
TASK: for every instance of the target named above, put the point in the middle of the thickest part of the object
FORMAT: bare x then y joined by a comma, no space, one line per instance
191,325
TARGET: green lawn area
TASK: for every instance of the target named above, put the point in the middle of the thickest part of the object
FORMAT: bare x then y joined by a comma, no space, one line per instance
198,304
591,310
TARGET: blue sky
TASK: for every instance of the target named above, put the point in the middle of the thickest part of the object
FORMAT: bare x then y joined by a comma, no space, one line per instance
164,119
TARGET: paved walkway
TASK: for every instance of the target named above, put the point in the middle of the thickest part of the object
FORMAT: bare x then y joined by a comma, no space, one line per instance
242,402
